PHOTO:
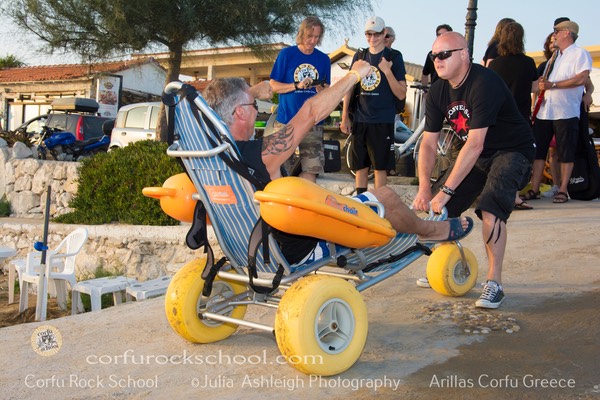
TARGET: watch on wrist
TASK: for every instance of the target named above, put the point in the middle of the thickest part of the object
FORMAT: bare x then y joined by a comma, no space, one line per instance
553,85
296,85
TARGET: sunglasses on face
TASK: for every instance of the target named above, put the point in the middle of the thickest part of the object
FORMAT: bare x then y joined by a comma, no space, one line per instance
376,34
442,55
388,36
253,104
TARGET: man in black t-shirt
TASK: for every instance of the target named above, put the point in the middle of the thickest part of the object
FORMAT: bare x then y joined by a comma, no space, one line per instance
428,67
494,162
235,103
374,109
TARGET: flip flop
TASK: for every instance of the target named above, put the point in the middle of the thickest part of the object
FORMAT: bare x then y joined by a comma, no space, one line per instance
522,206
456,231
531,195
561,197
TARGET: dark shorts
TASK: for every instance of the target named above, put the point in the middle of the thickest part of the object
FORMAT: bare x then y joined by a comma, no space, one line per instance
495,180
566,132
371,144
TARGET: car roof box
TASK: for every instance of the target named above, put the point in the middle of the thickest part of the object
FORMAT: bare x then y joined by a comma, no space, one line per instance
78,104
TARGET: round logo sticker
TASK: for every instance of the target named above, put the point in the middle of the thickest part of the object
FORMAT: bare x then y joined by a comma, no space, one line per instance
371,81
46,340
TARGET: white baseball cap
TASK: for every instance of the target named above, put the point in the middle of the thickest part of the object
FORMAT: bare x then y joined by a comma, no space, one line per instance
374,24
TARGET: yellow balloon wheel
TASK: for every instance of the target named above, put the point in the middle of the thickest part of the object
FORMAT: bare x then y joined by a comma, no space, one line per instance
321,325
447,273
184,302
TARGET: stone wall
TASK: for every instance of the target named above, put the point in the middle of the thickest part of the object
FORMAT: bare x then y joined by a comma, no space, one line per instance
141,252
25,182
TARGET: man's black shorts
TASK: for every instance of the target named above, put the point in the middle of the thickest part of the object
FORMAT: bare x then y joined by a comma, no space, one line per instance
495,180
371,145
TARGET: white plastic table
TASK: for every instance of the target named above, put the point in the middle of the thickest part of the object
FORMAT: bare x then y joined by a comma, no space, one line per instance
97,287
6,252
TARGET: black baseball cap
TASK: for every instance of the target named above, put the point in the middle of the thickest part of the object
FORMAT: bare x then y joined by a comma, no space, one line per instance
559,20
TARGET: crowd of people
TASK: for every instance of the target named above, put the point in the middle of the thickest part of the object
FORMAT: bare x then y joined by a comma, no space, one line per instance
505,136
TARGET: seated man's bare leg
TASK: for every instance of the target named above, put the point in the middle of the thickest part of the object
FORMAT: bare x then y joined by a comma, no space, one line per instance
404,220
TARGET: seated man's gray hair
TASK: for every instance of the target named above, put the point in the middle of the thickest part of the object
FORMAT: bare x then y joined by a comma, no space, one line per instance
223,95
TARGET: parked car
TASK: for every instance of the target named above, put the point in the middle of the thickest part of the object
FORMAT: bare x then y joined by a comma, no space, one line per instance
138,122
75,115
135,122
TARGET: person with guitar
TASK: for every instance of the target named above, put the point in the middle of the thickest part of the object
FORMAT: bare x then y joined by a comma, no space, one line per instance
559,112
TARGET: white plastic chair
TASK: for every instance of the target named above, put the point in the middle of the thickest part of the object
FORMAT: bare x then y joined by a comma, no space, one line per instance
62,268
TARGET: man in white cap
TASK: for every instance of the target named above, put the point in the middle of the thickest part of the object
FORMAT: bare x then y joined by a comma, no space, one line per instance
373,107
560,111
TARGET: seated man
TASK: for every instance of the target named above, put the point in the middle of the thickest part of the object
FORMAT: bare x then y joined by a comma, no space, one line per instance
234,101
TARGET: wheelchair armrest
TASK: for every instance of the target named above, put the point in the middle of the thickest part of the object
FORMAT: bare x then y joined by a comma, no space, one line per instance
173,151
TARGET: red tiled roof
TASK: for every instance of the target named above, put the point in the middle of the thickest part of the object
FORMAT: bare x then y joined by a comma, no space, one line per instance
199,85
64,72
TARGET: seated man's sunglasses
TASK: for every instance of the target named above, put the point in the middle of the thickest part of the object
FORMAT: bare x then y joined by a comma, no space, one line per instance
442,55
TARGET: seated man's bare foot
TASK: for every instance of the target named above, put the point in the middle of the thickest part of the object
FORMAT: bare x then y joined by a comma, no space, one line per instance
454,229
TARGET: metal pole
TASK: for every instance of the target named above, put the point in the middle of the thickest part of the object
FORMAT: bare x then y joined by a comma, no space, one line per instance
470,24
42,302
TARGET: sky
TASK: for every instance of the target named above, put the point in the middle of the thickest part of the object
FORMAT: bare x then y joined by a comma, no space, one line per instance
413,22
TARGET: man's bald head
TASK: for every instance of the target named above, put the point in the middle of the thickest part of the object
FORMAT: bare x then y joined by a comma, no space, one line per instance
451,57
451,40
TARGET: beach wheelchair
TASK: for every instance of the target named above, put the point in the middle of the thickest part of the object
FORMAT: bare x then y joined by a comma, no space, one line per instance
321,318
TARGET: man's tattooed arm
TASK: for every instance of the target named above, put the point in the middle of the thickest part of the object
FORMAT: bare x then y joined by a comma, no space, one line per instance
279,142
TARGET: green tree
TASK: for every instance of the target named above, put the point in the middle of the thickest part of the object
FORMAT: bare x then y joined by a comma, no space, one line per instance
100,28
10,61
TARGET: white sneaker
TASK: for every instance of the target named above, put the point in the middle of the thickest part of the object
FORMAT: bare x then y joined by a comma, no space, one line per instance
423,282
553,191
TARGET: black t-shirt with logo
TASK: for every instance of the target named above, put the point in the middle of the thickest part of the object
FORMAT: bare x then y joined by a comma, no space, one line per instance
251,152
483,100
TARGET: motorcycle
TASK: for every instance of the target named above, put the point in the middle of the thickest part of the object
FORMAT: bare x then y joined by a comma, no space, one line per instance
62,146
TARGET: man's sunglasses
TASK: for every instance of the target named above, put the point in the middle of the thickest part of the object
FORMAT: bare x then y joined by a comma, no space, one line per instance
254,104
442,55
388,36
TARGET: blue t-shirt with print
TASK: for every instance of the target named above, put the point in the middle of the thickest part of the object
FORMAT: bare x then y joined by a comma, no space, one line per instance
293,66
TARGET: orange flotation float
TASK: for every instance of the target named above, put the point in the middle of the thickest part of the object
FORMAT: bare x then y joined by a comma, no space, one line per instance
175,197
300,207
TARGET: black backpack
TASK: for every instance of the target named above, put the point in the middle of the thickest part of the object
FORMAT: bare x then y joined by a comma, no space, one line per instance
584,183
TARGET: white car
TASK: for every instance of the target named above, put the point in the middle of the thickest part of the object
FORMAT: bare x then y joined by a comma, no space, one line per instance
135,122
138,122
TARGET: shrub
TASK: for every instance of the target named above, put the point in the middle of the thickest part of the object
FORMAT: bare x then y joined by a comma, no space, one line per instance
4,207
110,186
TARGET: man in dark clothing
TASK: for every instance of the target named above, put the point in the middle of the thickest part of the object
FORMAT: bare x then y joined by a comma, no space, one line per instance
374,113
429,68
235,103
494,162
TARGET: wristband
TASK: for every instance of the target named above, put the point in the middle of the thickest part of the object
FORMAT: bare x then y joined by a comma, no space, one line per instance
447,190
354,72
